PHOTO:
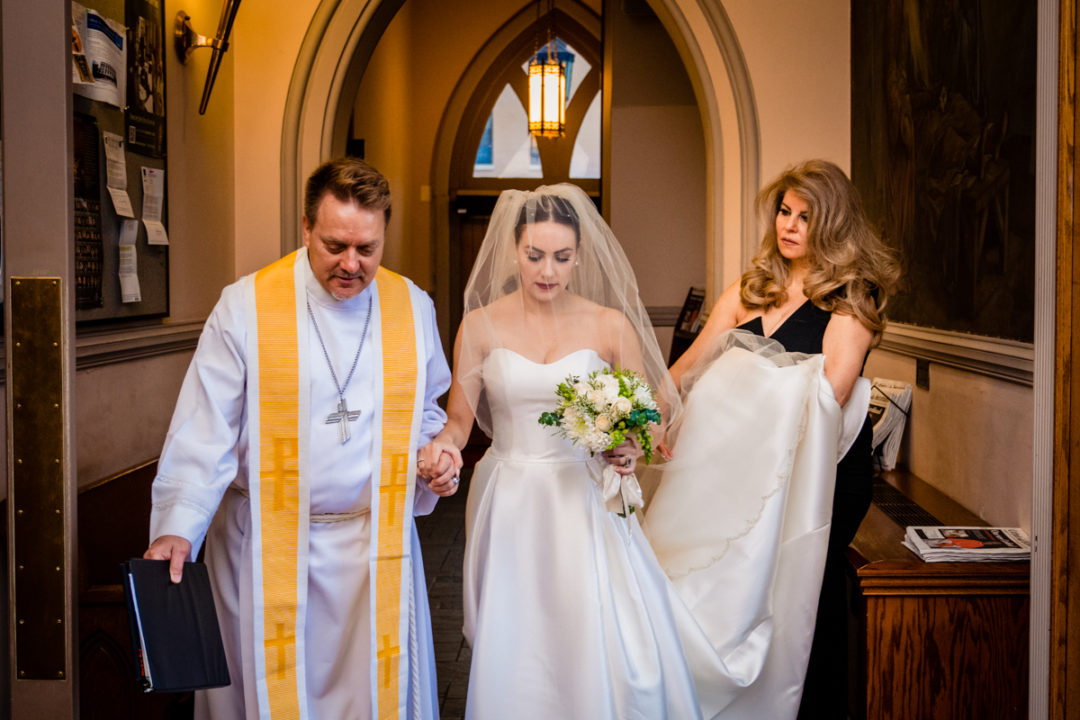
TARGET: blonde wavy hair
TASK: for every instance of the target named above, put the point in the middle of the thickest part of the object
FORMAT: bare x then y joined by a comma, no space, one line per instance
851,271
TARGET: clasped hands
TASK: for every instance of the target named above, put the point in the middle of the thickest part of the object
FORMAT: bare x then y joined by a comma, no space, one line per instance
623,459
440,465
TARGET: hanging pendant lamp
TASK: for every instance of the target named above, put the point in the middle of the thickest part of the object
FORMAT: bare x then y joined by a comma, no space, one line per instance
547,86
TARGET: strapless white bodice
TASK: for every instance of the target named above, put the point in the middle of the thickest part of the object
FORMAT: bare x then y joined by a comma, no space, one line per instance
518,391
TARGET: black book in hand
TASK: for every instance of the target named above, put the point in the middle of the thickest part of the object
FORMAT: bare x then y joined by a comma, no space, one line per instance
174,627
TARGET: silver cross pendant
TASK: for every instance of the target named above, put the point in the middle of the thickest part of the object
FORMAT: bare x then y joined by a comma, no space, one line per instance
343,417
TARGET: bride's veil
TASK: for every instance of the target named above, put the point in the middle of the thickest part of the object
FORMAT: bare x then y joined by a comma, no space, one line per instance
494,307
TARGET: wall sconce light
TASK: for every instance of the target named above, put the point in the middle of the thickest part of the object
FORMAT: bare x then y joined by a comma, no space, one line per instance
186,41
547,86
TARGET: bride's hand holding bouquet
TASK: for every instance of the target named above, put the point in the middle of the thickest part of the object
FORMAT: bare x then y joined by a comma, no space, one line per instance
610,412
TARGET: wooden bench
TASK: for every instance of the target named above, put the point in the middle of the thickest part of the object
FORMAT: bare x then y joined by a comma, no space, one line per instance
935,640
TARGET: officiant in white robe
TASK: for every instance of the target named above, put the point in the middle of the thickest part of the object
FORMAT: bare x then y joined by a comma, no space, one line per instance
295,433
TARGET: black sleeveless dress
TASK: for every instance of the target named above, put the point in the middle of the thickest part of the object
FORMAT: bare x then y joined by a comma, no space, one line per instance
825,691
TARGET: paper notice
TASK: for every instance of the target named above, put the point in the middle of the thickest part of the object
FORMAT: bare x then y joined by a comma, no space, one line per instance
121,202
116,174
115,164
153,188
129,263
155,233
153,183
129,231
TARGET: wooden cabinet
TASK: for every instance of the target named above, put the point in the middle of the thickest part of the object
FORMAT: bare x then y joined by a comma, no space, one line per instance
935,640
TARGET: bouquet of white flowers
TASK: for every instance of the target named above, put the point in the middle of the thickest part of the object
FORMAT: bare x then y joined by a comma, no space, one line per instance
605,408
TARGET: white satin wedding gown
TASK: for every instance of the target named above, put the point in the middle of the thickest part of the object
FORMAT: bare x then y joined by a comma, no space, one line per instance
568,610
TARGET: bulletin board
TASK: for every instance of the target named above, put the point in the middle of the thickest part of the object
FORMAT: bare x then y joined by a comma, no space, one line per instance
118,79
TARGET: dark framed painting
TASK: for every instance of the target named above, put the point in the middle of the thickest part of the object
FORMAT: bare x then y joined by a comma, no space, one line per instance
943,154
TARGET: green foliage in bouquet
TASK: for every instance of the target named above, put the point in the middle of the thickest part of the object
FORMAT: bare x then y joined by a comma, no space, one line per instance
603,410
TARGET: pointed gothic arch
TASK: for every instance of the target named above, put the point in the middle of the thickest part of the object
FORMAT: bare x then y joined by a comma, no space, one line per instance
343,35
580,27
495,65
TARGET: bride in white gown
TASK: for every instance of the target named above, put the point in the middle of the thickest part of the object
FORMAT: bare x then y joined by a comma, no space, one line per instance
567,609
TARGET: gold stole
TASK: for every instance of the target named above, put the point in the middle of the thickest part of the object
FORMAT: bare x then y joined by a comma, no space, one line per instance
279,518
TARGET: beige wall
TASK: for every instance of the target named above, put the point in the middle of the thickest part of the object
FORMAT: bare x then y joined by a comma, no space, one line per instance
400,104
798,54
264,47
382,103
969,435
223,184
200,172
123,410
656,181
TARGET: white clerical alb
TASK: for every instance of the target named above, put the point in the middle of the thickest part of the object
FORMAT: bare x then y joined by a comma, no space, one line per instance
343,416
209,449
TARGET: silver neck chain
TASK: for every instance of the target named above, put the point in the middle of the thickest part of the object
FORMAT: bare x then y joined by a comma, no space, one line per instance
318,334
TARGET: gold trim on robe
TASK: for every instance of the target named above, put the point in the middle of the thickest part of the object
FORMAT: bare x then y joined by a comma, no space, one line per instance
392,535
279,517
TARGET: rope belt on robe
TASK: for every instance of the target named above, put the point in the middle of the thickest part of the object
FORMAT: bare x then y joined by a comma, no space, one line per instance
317,517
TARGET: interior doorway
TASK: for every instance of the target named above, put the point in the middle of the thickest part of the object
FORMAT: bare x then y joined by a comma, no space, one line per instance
494,151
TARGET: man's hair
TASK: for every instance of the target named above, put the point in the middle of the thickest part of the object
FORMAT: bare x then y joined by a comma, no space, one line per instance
347,179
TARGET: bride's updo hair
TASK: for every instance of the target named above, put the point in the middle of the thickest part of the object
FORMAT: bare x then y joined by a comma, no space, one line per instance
851,270
547,208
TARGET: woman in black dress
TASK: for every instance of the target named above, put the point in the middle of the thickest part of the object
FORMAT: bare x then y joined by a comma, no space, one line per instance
818,284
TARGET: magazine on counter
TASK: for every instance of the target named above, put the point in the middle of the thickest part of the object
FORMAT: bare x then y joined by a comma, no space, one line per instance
966,544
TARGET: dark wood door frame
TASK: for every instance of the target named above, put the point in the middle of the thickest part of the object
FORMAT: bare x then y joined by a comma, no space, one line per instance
1064,662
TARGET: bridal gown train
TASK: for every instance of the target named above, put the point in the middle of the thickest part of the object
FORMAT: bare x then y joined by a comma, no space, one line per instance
568,610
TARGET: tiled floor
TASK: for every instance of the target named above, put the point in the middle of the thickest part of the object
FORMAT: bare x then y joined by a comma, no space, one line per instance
442,537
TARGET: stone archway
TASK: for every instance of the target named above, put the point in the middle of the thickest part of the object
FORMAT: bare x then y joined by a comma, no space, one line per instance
343,34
